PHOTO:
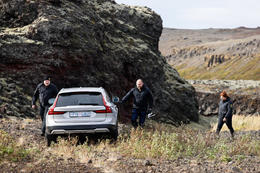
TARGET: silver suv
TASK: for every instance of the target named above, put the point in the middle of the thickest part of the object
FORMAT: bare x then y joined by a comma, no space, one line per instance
81,111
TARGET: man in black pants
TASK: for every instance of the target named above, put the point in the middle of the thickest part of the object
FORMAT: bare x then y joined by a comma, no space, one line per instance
225,113
44,91
142,99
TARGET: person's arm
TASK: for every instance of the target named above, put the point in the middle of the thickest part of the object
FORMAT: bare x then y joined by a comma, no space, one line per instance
229,112
35,96
127,96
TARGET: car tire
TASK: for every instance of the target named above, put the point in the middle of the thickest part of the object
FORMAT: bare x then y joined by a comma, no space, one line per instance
49,139
114,134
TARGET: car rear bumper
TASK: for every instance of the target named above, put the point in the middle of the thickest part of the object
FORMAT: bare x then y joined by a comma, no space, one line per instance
78,129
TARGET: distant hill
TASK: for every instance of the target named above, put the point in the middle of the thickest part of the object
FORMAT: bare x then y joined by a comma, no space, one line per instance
213,53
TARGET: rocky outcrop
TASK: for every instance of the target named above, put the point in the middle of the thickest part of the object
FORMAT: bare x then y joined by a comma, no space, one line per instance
14,101
243,105
244,93
234,85
213,53
91,43
211,60
187,53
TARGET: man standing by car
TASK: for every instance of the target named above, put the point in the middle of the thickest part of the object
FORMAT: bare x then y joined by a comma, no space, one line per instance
44,91
143,102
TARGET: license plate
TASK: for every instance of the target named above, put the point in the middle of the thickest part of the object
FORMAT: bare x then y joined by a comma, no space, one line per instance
80,114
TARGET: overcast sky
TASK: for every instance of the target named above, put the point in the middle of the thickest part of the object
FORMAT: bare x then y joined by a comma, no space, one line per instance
196,14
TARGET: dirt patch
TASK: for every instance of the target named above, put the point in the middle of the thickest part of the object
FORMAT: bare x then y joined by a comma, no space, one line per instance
27,134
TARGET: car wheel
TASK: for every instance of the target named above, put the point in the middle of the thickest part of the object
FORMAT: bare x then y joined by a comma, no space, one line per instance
49,139
114,134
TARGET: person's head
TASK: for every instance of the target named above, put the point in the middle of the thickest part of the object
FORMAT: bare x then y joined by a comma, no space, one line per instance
47,80
223,95
139,83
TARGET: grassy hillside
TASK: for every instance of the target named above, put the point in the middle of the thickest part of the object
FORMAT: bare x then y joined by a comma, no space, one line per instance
213,53
235,69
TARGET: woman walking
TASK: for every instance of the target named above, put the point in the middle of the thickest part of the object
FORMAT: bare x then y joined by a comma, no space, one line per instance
225,113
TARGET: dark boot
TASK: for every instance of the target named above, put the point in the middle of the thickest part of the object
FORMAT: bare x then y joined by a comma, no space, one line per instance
134,124
217,133
141,126
232,134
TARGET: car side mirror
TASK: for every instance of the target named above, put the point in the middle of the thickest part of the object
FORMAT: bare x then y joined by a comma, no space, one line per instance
51,101
115,99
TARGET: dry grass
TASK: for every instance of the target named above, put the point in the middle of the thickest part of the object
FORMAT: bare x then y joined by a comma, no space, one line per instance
162,141
236,69
158,141
186,142
242,123
69,148
10,150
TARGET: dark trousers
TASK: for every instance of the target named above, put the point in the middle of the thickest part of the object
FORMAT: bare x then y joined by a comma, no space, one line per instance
138,113
43,112
228,123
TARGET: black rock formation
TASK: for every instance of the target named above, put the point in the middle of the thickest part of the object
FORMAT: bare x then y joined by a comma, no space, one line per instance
90,43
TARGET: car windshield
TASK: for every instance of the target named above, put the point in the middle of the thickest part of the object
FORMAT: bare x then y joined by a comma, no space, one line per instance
80,98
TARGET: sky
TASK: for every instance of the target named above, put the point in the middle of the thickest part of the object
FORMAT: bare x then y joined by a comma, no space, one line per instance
202,14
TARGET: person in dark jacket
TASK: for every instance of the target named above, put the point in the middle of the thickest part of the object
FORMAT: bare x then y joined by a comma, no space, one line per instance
44,91
225,113
143,102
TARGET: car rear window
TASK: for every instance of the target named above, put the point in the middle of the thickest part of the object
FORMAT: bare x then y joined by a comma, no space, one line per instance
80,98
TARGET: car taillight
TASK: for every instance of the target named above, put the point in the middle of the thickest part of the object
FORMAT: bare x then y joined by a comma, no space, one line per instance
52,112
107,110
